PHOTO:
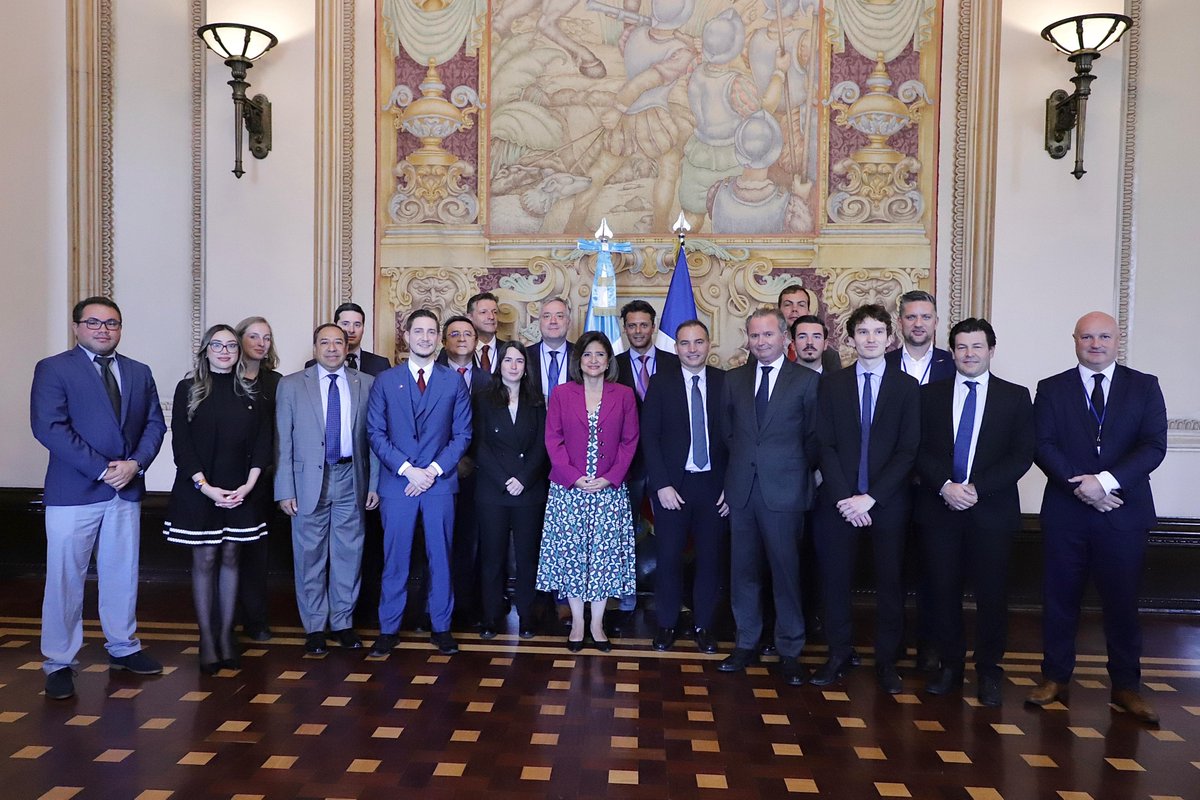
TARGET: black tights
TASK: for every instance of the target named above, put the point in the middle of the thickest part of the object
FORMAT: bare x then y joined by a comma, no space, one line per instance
214,577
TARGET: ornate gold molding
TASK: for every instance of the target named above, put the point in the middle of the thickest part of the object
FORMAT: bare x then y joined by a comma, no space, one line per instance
89,148
1126,233
196,17
976,97
333,280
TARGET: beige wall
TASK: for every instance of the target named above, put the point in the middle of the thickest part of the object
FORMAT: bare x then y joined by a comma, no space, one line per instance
1055,237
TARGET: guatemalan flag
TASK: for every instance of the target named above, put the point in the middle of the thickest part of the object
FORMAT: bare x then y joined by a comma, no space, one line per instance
680,305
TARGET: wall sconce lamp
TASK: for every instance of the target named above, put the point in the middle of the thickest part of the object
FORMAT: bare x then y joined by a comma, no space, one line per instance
1081,38
240,45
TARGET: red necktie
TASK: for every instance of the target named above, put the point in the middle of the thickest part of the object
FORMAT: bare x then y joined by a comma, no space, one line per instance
463,371
421,380
791,354
484,360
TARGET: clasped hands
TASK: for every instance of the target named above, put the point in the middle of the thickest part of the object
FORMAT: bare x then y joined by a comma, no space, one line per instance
419,479
960,496
120,473
669,499
226,498
854,509
592,485
1091,491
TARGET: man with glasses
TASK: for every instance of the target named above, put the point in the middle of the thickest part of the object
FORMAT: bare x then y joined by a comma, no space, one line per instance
98,414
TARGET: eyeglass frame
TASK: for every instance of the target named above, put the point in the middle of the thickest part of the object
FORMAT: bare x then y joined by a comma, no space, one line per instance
93,324
224,347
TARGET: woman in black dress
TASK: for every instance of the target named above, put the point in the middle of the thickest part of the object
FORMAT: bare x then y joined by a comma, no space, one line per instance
259,361
222,443
509,418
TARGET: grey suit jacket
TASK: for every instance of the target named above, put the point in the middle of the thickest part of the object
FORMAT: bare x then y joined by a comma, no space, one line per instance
300,444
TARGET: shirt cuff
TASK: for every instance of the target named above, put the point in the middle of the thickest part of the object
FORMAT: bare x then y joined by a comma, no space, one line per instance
437,468
1109,483
403,467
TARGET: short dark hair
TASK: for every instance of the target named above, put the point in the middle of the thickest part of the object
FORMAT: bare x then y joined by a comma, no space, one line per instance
416,315
973,325
529,392
317,330
810,319
915,296
692,323
634,306
575,371
869,311
475,298
791,288
344,307
77,311
454,319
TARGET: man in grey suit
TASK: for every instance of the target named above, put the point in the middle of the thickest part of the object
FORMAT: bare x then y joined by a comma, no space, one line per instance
325,477
769,406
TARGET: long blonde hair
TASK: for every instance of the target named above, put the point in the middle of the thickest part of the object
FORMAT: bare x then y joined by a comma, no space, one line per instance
201,386
271,360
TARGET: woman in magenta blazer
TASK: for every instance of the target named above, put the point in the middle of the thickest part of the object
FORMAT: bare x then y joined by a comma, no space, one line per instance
587,552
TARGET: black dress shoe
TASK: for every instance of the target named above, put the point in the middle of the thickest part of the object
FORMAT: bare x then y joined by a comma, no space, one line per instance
855,659
945,681
830,671
348,639
314,644
138,663
233,662
705,641
989,693
603,645
444,642
664,639
384,643
60,684
259,633
767,649
738,660
526,630
793,672
487,631
574,646
928,659
210,667
889,679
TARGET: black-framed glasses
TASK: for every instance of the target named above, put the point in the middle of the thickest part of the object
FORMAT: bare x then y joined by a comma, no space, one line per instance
93,324
223,347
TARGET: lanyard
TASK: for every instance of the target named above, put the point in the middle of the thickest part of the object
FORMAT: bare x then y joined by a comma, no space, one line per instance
1098,417
925,375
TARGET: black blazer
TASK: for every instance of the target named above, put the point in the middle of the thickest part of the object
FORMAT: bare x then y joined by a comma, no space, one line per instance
941,369
831,361
505,449
895,437
1003,453
666,433
370,363
783,451
534,363
663,359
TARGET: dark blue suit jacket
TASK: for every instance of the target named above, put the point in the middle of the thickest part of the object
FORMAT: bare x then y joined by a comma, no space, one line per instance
1134,443
941,369
404,424
666,434
72,417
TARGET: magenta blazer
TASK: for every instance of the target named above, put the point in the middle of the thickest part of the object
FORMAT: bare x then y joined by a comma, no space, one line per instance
567,433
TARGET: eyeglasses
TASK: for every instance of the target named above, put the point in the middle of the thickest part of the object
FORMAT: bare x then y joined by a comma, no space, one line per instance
223,347
93,324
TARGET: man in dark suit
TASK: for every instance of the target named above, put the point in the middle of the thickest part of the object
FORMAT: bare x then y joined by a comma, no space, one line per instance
483,310
635,367
321,419
419,425
1101,430
351,318
869,430
976,443
548,359
686,456
98,414
809,335
793,303
769,407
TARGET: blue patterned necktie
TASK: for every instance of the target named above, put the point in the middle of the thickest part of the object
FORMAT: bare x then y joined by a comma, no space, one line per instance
763,395
699,442
333,423
865,440
962,439
552,372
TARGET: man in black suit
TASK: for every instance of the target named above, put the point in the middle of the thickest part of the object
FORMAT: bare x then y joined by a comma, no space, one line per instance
869,430
793,303
976,443
809,335
686,456
1101,430
548,359
483,310
635,367
352,319
459,352
769,409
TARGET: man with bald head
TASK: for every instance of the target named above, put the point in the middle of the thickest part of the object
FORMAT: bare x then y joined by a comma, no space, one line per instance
1101,430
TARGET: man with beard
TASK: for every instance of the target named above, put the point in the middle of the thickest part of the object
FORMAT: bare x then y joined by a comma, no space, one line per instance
793,303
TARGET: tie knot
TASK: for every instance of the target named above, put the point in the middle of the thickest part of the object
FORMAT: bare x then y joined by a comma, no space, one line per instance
332,377
462,370
971,385
420,373
1098,378
695,380
767,371
104,361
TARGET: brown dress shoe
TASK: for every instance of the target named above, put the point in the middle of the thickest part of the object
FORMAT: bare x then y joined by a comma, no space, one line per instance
1132,702
1044,693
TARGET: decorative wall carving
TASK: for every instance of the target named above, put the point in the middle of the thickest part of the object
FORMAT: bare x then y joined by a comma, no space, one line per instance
196,18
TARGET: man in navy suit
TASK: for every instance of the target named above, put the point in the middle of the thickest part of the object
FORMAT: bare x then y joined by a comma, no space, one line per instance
419,425
976,443
869,429
483,310
97,412
686,455
1101,430
548,358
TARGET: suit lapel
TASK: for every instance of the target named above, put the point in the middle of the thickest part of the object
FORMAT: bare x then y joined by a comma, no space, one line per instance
1117,396
87,365
355,392
122,364
312,381
608,401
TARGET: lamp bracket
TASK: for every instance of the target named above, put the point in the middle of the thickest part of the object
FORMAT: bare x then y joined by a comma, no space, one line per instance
1061,109
257,114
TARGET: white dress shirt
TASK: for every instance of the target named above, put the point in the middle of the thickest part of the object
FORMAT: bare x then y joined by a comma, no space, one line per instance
961,391
343,389
491,346
1106,478
544,353
918,368
772,376
690,466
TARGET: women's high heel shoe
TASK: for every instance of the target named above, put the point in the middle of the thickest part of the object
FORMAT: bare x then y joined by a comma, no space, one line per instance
574,646
211,668
603,645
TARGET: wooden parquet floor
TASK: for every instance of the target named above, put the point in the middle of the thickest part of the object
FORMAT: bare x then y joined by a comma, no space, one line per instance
526,719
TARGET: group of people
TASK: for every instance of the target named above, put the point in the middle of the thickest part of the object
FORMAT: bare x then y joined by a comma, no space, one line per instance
540,457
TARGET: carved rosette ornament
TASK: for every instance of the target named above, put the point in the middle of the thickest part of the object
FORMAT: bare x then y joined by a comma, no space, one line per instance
879,183
432,183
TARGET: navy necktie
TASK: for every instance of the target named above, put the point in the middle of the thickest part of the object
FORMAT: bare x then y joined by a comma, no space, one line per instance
1098,394
552,372
699,442
865,439
962,440
333,423
763,395
110,383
